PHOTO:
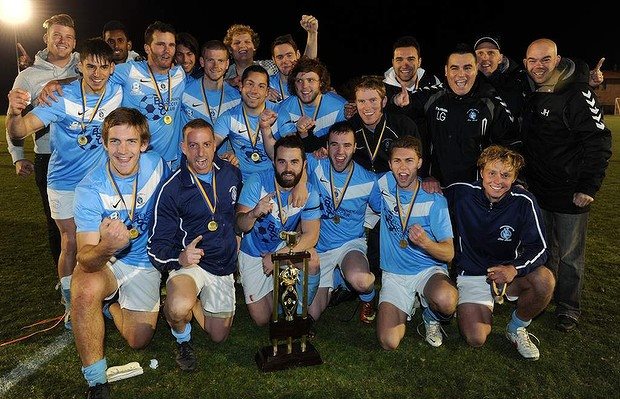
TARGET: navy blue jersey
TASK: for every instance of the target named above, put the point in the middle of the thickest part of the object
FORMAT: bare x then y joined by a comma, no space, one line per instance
507,232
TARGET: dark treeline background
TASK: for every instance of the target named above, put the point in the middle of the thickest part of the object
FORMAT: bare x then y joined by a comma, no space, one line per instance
355,37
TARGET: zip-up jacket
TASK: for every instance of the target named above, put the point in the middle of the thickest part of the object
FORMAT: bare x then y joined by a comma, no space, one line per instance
182,214
566,143
507,232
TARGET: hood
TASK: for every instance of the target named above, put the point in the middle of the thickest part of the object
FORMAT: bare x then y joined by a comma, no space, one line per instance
40,60
568,71
390,77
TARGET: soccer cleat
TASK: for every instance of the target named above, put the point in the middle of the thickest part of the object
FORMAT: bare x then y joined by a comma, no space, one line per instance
186,358
566,323
433,333
367,312
99,391
521,340
340,295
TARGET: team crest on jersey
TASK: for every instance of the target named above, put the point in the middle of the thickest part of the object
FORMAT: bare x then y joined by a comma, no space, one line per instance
163,85
233,194
75,125
114,215
135,88
387,144
140,199
505,233
472,115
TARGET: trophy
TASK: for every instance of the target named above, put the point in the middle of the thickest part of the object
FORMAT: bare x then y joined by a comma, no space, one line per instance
288,331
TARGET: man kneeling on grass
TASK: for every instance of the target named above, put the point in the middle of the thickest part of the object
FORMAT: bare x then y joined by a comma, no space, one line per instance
501,251
416,244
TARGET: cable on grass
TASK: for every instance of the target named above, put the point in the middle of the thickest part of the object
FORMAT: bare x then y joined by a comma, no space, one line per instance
55,320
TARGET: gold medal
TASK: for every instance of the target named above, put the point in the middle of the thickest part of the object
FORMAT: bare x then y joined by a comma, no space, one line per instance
255,157
336,219
133,233
403,243
82,140
212,225
167,119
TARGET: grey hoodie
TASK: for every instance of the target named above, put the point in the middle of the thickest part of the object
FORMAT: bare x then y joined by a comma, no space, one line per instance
33,79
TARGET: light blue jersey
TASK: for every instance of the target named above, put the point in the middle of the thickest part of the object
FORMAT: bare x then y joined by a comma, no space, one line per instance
281,88
96,198
265,235
209,104
331,110
351,209
231,124
76,151
429,211
156,104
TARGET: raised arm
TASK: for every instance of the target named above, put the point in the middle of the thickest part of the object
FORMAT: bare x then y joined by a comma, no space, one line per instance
95,248
311,25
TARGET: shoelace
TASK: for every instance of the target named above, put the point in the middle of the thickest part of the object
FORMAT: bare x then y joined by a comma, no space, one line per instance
433,326
523,338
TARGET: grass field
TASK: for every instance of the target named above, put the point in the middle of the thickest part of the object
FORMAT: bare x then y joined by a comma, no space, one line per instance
582,364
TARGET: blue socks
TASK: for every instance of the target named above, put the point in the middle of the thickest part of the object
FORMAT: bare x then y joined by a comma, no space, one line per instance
185,336
95,373
431,315
313,287
516,322
368,297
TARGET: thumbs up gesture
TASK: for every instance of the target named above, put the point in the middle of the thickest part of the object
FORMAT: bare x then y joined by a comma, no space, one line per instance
191,255
402,98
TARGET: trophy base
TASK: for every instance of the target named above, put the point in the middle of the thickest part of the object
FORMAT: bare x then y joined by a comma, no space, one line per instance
267,362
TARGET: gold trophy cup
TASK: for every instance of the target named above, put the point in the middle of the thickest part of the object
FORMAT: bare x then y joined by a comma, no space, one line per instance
288,331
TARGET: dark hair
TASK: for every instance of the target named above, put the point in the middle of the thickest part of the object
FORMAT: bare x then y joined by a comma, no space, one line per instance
290,141
213,45
341,128
254,68
197,123
157,26
406,41
284,39
407,141
97,48
189,41
305,65
126,116
113,25
461,48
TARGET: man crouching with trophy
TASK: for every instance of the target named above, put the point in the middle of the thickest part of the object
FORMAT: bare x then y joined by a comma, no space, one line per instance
279,242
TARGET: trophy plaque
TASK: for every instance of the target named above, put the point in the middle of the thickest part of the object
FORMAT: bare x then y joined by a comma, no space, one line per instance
288,330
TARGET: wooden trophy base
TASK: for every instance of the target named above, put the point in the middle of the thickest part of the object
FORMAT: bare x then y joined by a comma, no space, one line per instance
267,362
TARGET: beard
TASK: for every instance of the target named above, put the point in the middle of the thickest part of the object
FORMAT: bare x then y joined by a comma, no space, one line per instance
287,183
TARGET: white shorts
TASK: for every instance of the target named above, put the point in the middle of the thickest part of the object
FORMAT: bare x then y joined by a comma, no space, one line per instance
216,293
255,284
400,289
476,289
138,289
332,258
61,203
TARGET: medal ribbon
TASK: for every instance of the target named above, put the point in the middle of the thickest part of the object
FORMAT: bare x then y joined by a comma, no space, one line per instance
403,222
316,111
130,212
282,218
253,138
83,92
157,88
373,154
336,201
204,96
211,205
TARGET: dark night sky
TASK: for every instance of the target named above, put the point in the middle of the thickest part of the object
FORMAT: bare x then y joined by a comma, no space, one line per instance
353,40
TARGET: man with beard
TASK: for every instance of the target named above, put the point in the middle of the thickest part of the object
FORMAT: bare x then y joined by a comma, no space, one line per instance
416,244
263,212
313,108
75,133
193,238
344,189
115,34
567,149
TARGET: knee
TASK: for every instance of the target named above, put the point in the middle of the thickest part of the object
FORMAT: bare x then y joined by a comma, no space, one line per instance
219,336
543,282
140,340
362,282
475,340
177,310
87,290
389,342
445,301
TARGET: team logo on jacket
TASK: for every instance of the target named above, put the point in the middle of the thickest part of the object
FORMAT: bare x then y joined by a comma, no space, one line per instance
472,115
233,194
505,233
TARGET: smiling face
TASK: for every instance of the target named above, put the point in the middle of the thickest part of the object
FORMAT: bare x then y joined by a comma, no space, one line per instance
242,48
488,58
185,57
406,62
307,86
541,59
254,90
461,72
340,149
60,42
199,147
497,178
120,44
96,73
369,105
124,146
285,57
404,164
215,63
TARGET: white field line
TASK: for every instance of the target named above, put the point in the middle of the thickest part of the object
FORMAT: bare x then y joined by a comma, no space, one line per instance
29,366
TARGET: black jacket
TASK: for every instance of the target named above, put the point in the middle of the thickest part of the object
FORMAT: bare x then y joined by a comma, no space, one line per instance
510,82
566,143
